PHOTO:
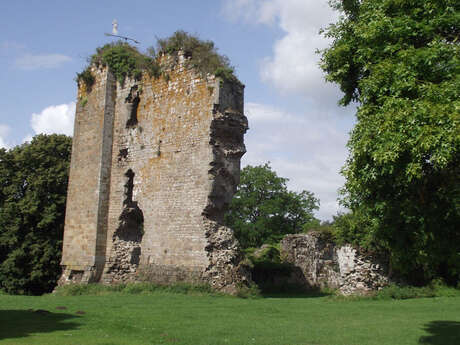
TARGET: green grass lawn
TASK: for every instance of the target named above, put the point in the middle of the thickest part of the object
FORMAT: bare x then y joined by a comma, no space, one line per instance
169,318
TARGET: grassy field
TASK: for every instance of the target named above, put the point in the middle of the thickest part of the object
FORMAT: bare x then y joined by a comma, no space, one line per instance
171,318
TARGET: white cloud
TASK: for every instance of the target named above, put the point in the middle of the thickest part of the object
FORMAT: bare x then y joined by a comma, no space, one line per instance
307,149
43,61
235,9
4,132
54,119
293,66
28,138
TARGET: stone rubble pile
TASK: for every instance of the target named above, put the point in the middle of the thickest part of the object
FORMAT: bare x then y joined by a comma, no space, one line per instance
124,263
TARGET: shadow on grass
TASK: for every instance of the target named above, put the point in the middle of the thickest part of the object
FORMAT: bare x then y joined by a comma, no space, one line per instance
23,323
293,295
442,333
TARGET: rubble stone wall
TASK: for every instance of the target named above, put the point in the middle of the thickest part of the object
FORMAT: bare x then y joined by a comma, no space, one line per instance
325,264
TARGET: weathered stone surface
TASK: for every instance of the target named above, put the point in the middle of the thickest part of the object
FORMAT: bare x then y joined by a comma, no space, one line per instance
155,164
339,267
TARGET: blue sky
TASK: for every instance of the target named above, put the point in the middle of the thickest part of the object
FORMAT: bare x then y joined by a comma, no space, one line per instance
294,119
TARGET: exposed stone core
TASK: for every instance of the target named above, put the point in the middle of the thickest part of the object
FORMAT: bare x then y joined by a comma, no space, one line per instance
155,163
325,264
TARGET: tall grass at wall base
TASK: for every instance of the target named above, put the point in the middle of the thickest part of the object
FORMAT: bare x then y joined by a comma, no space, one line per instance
134,289
403,292
407,292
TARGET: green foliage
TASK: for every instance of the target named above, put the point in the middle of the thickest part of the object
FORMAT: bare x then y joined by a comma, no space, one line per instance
201,55
251,291
400,61
406,292
125,60
263,210
324,230
87,78
226,73
355,229
266,253
134,289
83,101
33,180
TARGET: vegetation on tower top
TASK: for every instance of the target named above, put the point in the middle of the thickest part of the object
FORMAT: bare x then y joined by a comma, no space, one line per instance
125,60
200,54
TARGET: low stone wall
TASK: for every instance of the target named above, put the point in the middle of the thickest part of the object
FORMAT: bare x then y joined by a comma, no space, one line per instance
325,264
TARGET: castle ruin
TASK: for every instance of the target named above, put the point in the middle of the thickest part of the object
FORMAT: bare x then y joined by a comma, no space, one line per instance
155,163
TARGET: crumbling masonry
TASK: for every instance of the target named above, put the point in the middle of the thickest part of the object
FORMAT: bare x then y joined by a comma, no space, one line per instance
155,163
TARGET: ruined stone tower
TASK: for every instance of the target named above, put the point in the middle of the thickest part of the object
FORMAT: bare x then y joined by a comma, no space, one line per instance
155,163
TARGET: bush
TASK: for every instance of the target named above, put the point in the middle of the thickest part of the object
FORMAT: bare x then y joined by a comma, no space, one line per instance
87,78
125,60
201,55
405,292
325,231
355,229
437,288
251,291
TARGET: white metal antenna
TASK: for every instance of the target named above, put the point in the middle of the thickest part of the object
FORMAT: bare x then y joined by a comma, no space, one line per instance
115,33
115,27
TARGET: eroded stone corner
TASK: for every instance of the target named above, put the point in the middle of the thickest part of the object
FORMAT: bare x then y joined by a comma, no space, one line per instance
225,271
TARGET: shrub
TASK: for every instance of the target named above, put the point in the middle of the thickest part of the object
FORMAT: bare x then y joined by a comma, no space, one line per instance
200,54
87,78
125,61
251,291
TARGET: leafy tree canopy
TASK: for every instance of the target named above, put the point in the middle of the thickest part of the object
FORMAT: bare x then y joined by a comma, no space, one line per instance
263,210
400,61
33,186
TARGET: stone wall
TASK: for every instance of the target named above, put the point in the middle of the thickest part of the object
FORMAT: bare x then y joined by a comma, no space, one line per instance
156,164
339,267
83,252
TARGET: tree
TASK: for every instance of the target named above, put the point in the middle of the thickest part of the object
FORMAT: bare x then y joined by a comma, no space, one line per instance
33,186
400,61
263,210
